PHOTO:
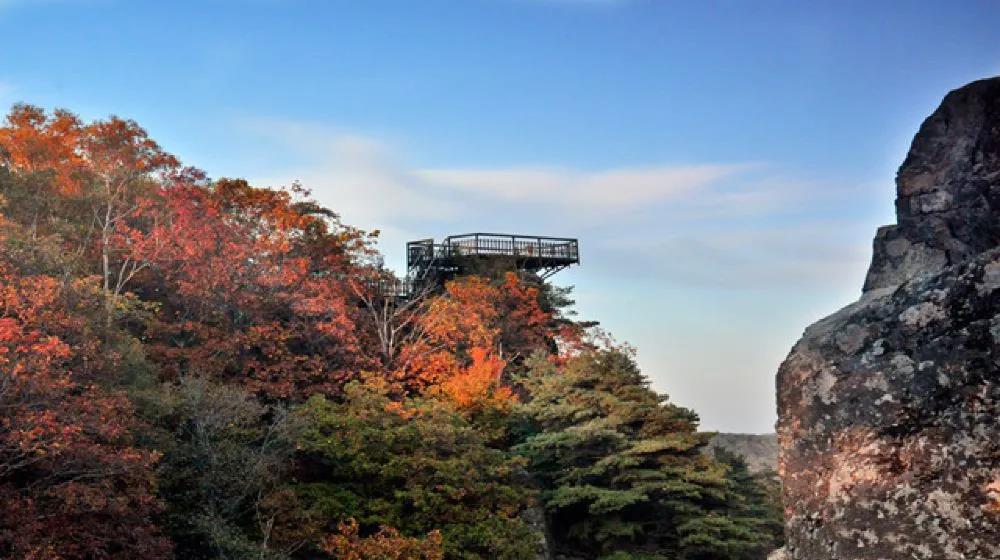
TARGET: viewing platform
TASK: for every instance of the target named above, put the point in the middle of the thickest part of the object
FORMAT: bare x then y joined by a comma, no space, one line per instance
468,253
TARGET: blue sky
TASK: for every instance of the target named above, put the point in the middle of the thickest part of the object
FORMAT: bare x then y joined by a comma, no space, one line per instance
724,164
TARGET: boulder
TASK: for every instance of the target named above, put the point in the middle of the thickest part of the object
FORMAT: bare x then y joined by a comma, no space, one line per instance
889,410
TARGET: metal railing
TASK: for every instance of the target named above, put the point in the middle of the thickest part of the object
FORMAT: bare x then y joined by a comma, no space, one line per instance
494,244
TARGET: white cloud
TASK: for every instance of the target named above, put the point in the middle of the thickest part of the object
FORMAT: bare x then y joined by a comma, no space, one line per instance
603,190
369,171
725,225
356,175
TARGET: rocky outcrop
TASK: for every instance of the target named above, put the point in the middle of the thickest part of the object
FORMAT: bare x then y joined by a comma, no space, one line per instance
947,201
889,410
760,451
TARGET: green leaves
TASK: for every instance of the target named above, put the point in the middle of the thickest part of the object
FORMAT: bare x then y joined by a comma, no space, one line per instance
622,468
598,501
416,466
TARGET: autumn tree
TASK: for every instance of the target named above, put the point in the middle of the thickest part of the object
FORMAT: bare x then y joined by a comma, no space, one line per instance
44,150
73,484
392,309
40,184
120,159
251,289
386,544
101,172
32,141
474,314
480,385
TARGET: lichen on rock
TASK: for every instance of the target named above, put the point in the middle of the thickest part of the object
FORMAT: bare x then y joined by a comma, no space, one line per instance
889,410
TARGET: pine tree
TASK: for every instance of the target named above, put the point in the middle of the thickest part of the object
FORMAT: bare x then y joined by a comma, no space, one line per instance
622,469
414,466
751,525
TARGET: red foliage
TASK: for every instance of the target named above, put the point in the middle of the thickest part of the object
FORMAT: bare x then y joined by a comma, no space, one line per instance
72,484
251,290
478,386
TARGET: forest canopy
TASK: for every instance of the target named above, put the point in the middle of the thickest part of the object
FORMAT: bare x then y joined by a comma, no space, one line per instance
203,368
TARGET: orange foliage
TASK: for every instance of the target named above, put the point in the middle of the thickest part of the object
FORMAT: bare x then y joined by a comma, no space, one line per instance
34,142
117,148
387,544
479,386
502,319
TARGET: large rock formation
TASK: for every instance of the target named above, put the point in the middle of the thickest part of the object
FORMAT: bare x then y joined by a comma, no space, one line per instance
889,410
947,201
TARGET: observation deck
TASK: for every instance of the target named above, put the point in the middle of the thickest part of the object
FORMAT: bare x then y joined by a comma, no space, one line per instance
469,253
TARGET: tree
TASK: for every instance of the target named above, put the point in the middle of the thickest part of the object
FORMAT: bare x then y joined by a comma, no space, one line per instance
415,466
119,159
751,524
44,149
33,142
621,468
107,166
40,188
479,386
501,318
225,456
390,321
251,289
73,484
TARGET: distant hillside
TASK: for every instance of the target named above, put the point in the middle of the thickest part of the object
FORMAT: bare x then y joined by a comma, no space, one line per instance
759,450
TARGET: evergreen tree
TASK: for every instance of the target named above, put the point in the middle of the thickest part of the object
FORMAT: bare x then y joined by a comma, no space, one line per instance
751,525
622,469
414,466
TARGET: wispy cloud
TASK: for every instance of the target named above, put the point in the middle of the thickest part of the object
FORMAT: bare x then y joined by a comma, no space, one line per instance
727,224
602,190
346,163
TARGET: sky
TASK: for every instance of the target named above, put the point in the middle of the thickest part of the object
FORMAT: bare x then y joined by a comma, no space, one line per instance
724,164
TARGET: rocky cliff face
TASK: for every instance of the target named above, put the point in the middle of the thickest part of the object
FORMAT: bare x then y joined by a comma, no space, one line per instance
889,410
947,201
